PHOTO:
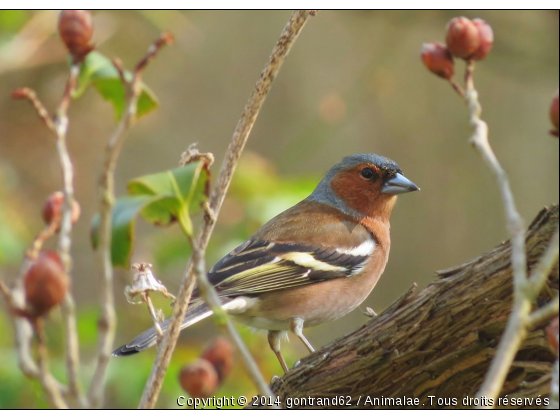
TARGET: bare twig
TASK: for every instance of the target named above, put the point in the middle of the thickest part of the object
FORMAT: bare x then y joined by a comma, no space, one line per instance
24,335
107,182
53,389
153,313
460,91
68,308
544,266
60,128
31,95
119,66
479,139
208,293
5,291
49,385
40,239
516,329
240,136
554,387
64,238
544,314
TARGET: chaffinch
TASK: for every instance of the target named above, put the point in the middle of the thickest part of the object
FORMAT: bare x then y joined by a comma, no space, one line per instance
311,264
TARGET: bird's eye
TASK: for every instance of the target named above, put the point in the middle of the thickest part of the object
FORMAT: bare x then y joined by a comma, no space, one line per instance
368,173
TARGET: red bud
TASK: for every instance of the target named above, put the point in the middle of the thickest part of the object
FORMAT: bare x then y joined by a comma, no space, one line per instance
76,30
486,35
220,354
438,60
462,37
52,210
46,284
199,379
554,111
21,93
551,333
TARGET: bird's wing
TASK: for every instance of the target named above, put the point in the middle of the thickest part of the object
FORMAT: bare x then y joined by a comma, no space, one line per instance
260,266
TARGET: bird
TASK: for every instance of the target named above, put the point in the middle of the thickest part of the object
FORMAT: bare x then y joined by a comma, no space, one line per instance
311,264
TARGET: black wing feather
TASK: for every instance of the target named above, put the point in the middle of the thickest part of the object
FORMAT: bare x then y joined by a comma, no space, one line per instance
263,266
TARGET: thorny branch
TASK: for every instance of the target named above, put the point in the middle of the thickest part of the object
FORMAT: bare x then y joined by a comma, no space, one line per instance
106,183
240,136
525,290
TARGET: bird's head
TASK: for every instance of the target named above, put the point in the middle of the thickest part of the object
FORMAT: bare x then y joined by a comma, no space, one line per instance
363,185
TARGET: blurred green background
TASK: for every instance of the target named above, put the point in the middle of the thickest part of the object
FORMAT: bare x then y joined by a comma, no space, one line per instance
353,83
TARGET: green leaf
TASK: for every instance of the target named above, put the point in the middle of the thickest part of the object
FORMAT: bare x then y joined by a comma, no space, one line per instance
122,228
161,199
99,71
191,181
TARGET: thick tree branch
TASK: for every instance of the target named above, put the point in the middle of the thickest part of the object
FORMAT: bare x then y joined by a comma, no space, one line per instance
438,341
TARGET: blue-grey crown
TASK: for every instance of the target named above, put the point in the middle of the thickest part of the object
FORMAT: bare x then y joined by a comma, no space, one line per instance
323,193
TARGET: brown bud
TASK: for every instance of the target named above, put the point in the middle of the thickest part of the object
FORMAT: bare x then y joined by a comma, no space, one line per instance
76,30
438,60
486,36
46,284
554,111
220,354
462,37
551,333
52,210
199,379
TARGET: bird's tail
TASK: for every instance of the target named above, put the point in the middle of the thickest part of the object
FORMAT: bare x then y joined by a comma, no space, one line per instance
197,311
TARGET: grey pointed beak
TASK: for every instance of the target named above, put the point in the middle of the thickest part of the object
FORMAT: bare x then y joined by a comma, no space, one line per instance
399,185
